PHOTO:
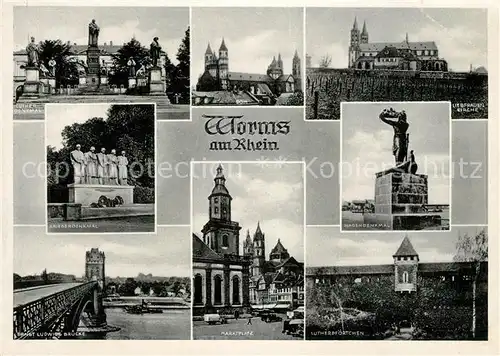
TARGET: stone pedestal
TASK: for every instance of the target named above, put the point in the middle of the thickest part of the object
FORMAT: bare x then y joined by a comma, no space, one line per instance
400,200
72,211
132,82
86,194
82,81
31,87
104,80
156,84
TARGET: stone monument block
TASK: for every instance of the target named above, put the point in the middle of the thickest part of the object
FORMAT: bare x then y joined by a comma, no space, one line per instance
86,194
82,80
156,84
400,200
72,212
104,80
31,87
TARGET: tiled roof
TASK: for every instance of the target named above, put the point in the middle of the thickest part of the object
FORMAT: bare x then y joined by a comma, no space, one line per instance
343,270
378,46
82,49
223,97
278,248
250,77
406,249
201,250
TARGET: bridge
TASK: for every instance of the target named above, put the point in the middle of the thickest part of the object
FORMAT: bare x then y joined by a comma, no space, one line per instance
54,311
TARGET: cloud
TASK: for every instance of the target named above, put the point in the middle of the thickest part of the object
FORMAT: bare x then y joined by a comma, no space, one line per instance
457,44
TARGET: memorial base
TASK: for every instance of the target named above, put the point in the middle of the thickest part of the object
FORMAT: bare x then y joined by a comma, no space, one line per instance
31,88
86,194
132,82
400,202
156,84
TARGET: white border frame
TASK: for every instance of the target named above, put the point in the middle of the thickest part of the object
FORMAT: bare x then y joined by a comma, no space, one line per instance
155,133
450,163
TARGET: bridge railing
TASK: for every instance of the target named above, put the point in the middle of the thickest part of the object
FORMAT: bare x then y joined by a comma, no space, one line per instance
30,318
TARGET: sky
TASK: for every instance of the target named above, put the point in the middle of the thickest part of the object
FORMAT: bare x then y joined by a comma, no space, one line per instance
165,254
271,194
117,24
252,37
60,116
367,147
326,246
460,34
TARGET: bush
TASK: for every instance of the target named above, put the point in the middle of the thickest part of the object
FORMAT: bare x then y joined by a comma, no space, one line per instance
57,194
144,195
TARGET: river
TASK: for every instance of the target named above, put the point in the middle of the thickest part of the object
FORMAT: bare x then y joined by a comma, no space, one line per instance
170,325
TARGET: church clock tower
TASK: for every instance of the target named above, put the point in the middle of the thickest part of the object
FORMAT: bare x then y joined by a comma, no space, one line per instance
220,233
259,251
354,45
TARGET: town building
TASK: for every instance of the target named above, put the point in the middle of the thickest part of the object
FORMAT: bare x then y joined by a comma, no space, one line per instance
277,282
404,55
265,87
220,273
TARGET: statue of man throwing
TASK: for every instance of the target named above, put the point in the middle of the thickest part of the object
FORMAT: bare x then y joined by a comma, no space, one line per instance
400,141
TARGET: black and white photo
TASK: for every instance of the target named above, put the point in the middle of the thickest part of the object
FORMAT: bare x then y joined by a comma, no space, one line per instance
117,287
100,168
410,190
101,55
396,54
250,56
379,286
248,252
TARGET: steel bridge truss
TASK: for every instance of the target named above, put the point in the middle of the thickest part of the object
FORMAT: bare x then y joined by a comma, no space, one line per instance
48,317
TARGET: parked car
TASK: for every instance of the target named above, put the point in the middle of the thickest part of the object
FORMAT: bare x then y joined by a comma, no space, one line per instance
294,324
212,319
269,316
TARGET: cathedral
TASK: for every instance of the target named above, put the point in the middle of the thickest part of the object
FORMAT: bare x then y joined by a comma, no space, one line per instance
277,281
404,55
264,87
220,273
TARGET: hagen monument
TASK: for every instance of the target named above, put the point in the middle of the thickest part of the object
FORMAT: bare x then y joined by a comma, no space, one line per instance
401,195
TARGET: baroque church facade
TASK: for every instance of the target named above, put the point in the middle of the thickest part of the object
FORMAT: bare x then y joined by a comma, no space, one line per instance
277,282
264,87
404,55
220,273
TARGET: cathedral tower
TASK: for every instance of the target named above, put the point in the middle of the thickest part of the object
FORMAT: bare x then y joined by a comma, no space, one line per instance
405,267
208,57
279,253
224,65
259,251
220,233
364,34
354,44
296,71
248,246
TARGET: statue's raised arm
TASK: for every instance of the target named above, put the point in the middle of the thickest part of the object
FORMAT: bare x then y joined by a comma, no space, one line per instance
400,139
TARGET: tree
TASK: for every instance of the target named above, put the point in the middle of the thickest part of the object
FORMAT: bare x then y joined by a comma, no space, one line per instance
132,49
45,277
66,71
183,74
325,61
473,249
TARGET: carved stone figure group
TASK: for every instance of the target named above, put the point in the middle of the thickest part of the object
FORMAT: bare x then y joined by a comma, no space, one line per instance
99,168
